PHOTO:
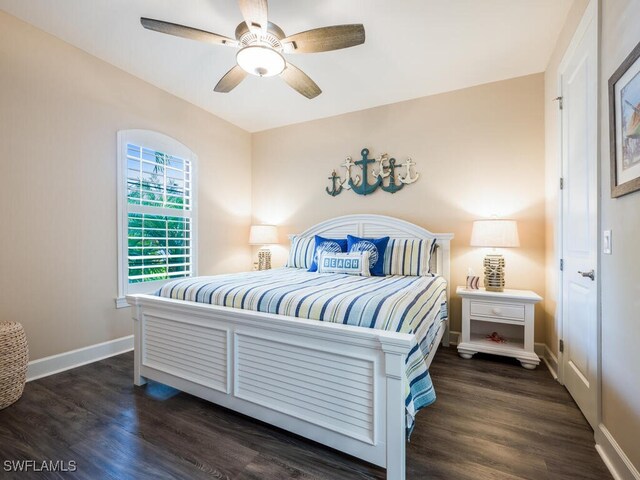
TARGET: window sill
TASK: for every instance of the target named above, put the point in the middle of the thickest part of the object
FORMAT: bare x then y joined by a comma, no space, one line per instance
121,302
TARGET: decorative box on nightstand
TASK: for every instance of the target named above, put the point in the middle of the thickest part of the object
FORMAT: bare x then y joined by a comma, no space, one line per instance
509,314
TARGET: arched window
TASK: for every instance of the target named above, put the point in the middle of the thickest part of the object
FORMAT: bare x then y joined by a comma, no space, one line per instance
157,226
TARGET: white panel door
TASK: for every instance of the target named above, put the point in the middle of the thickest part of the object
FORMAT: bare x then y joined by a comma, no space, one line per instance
578,77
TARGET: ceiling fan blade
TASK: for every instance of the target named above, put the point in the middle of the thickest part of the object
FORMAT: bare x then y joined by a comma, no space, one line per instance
187,32
255,13
326,39
230,80
300,81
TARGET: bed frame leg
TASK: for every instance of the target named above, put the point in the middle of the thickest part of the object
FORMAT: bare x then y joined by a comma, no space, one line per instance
138,379
396,430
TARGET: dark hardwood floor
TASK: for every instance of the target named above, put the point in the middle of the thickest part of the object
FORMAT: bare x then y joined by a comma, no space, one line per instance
492,420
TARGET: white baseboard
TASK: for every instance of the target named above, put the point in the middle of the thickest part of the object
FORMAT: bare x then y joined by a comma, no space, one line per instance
614,457
44,367
454,338
550,360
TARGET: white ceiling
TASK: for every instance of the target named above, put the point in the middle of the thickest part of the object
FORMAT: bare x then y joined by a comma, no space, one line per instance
413,48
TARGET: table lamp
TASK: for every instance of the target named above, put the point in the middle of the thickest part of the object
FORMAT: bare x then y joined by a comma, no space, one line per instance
263,235
494,233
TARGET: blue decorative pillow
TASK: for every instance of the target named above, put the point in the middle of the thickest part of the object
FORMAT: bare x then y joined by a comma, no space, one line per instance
354,263
326,245
376,248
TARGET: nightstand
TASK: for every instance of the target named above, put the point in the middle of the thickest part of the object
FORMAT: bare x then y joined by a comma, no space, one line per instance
509,313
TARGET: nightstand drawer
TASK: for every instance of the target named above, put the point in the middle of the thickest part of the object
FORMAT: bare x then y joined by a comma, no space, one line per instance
511,311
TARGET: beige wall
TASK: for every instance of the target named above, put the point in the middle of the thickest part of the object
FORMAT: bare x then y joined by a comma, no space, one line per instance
620,283
620,33
480,151
61,109
552,169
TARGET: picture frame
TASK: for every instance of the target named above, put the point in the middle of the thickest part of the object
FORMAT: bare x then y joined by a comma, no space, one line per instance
624,125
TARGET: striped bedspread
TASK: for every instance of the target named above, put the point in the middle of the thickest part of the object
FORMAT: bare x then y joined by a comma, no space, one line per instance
396,303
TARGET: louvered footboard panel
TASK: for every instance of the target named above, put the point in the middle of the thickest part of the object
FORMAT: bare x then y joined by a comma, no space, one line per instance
328,389
191,351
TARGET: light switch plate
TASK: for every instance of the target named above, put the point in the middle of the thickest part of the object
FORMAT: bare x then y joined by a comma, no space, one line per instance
606,242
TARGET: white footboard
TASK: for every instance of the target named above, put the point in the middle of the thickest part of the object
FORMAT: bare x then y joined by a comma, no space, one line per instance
339,385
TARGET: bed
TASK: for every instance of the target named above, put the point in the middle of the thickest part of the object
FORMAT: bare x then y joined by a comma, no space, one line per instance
262,351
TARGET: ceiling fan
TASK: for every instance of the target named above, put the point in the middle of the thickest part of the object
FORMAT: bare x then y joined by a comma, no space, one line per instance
262,45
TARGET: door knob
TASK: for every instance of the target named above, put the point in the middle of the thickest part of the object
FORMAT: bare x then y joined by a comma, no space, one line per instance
591,274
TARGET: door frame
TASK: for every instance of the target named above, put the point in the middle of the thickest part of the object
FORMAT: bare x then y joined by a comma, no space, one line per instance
591,14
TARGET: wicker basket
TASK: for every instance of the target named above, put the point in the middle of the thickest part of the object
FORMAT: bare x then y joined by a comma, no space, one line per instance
14,355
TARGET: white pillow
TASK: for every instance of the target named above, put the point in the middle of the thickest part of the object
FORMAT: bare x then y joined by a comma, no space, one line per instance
301,253
408,257
351,263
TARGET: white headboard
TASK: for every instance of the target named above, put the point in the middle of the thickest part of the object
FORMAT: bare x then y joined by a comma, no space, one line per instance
368,225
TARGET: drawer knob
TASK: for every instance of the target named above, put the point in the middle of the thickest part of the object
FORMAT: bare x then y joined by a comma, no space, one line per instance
496,310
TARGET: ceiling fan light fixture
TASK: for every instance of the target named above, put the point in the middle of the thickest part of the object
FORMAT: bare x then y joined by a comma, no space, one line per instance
261,61
263,43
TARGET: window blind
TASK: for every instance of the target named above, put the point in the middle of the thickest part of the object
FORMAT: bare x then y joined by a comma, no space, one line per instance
159,215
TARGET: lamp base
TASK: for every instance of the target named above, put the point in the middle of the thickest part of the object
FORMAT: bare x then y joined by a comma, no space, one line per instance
494,273
264,259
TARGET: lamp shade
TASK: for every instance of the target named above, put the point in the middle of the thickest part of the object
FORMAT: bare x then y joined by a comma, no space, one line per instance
495,233
263,235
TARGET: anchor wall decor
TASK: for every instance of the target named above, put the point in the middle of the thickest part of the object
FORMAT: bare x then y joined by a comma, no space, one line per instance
386,176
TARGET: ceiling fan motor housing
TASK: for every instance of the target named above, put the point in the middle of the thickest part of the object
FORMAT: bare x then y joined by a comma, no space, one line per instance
272,36
260,52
